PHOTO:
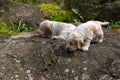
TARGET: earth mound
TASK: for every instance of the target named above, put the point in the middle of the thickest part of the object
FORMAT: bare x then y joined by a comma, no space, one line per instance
38,58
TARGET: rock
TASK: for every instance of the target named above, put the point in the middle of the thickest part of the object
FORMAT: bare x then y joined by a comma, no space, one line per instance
29,14
28,59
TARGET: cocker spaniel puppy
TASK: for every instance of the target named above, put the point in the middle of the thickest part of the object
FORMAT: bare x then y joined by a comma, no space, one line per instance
47,28
81,37
55,30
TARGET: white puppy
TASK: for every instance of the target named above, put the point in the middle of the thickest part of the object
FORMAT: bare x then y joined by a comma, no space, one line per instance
80,37
55,30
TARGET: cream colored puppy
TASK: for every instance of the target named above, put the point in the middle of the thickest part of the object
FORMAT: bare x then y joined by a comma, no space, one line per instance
81,37
47,28
55,30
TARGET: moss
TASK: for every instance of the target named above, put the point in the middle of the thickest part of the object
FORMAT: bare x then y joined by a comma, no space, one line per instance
55,12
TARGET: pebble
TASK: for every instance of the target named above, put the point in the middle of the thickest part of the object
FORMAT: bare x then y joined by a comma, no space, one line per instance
2,67
85,69
66,70
73,71
11,77
85,62
43,42
1,74
16,76
28,71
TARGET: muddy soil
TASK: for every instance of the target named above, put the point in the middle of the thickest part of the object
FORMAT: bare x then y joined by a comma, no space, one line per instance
38,58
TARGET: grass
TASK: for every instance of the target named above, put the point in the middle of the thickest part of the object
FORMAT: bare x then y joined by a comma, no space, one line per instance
114,25
55,12
13,28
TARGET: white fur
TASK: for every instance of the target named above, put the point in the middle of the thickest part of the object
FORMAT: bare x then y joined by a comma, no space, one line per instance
59,29
86,32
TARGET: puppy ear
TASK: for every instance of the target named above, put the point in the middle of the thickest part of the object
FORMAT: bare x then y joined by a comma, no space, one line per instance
48,27
78,44
78,41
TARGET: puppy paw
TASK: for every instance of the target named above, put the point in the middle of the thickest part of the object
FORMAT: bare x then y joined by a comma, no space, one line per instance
54,37
58,38
100,41
84,48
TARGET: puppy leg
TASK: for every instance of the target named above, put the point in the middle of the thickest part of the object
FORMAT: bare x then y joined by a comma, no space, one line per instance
100,36
86,45
58,38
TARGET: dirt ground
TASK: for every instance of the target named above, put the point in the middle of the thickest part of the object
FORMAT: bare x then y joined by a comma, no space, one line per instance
38,58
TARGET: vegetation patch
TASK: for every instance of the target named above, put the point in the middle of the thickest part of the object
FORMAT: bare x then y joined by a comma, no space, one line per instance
114,25
13,28
55,12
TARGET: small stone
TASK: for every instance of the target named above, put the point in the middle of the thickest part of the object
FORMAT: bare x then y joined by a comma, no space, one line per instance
18,61
9,53
85,77
29,75
1,74
76,78
43,42
2,55
112,78
26,77
111,44
11,77
30,78
66,70
28,71
85,69
73,71
69,60
85,62
16,76
21,69
2,67
3,60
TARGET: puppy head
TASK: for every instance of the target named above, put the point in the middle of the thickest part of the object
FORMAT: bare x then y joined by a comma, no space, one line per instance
45,28
74,43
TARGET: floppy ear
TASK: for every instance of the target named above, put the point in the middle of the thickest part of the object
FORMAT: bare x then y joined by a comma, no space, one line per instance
47,29
78,44
78,41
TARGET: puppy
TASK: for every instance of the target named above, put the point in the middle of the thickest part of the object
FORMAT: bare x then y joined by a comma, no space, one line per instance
81,37
47,28
55,30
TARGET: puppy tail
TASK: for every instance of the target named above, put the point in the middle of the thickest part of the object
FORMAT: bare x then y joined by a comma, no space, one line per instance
26,34
103,23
